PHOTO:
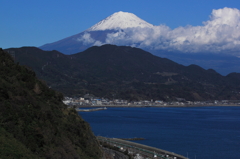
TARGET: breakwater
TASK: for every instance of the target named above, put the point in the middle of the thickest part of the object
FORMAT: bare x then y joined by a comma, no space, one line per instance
90,110
133,139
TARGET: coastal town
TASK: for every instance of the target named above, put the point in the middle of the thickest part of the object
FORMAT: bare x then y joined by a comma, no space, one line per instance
92,101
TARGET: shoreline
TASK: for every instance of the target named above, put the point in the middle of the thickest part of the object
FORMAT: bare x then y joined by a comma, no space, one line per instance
155,106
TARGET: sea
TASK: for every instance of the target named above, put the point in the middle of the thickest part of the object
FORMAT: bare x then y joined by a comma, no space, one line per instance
194,132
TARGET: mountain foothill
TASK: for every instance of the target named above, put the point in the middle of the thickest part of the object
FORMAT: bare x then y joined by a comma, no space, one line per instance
124,72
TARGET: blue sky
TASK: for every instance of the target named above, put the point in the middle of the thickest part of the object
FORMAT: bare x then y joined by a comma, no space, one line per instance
34,23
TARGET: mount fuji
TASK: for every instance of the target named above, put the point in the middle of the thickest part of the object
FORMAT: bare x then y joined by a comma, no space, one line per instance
184,45
99,33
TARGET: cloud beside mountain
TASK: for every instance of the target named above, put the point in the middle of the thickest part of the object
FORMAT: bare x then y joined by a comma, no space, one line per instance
220,34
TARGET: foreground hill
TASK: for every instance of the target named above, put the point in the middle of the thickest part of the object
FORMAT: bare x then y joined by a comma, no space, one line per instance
34,121
128,73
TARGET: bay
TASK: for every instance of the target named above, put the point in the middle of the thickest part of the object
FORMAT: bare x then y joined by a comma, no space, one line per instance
194,132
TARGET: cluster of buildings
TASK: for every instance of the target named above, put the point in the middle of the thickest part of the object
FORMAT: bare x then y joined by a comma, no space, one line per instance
90,100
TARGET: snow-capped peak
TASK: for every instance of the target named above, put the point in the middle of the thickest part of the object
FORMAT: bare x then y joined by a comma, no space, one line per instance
120,20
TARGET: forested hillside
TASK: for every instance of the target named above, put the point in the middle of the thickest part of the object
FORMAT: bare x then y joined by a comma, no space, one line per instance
34,123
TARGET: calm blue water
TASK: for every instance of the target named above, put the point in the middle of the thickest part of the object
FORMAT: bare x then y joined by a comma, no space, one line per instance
198,132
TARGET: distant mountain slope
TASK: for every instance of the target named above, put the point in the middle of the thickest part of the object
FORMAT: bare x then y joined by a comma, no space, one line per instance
77,43
34,121
125,72
222,63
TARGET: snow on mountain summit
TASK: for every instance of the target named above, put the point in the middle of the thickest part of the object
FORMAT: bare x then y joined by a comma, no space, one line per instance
120,20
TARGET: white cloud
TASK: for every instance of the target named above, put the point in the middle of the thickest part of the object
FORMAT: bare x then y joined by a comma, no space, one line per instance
86,39
97,43
221,33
